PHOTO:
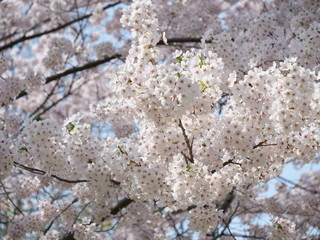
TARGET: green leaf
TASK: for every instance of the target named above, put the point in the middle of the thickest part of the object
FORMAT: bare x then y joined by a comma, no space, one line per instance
70,126
134,163
38,118
107,224
122,151
179,59
279,226
201,63
203,86
188,167
179,75
203,145
23,149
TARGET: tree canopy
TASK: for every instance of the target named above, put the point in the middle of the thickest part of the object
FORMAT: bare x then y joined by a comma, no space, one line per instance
159,119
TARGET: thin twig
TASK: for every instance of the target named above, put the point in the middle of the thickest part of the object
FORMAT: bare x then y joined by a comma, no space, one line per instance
174,226
73,70
244,236
182,40
69,181
189,158
16,207
62,98
230,219
262,144
46,99
84,207
227,226
298,185
36,35
230,161
65,209
41,172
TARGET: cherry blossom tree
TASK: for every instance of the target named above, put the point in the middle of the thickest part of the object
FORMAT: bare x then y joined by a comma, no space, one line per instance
158,119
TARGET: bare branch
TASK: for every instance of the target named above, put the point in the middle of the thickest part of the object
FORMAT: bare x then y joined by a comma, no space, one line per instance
189,158
262,144
45,100
182,40
174,225
69,181
244,236
230,161
84,207
41,172
73,70
69,92
65,209
60,27
298,185
16,207
121,205
227,226
188,209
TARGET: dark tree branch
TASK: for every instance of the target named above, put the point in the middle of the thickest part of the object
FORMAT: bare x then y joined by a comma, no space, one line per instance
298,186
30,169
230,161
189,158
45,100
228,222
115,210
84,207
69,181
262,144
69,236
180,40
89,65
65,209
41,172
227,226
73,70
244,236
121,205
188,209
16,207
69,92
60,27
178,234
